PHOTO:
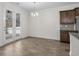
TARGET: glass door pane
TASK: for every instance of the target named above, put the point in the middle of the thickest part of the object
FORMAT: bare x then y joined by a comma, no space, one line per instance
9,25
18,28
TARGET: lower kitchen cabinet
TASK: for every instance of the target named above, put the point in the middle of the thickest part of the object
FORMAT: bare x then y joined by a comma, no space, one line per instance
64,37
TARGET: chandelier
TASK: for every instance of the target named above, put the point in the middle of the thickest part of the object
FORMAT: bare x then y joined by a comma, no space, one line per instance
35,13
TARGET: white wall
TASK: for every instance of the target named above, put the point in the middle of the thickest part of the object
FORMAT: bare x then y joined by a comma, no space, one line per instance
47,24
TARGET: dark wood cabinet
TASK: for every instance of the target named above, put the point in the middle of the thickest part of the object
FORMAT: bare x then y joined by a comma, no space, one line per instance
64,37
77,11
67,17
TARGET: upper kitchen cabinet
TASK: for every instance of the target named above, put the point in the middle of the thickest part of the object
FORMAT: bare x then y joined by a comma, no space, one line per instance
77,11
67,17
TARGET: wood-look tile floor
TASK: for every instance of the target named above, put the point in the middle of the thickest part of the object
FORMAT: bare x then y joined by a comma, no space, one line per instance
35,47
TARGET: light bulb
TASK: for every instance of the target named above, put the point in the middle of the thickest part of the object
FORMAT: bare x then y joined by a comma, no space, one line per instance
36,13
33,14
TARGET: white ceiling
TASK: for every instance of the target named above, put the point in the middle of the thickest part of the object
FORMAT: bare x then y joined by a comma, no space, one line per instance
29,6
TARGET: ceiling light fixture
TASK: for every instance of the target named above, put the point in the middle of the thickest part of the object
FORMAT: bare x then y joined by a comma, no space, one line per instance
35,13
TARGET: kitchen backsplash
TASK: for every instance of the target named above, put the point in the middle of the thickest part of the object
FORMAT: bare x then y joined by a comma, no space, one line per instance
67,27
77,23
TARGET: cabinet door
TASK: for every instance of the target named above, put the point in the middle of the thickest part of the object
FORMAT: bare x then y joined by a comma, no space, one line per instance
68,37
77,11
63,17
64,37
67,17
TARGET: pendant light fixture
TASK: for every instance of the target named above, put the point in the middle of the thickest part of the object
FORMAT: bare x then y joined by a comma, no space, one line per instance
35,13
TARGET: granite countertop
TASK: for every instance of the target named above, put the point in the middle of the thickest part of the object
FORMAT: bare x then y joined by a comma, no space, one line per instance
70,30
75,34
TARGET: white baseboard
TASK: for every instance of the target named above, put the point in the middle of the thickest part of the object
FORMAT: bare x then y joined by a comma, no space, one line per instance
45,37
